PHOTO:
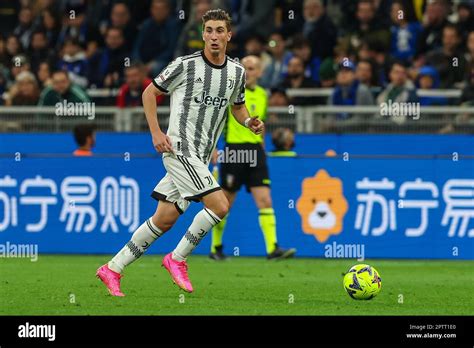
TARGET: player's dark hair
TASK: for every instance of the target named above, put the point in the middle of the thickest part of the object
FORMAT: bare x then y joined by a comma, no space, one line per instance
217,15
82,131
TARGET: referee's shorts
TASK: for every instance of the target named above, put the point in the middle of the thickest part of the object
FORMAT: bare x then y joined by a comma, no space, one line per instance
250,174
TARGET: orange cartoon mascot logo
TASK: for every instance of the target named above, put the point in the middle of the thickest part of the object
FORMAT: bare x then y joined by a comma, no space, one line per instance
322,206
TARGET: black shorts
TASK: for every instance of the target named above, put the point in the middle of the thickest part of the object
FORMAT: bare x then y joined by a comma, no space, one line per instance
252,173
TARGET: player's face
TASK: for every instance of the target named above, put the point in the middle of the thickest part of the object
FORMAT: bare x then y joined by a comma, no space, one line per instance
216,36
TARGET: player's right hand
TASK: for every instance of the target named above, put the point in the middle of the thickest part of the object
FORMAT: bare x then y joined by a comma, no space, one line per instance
162,142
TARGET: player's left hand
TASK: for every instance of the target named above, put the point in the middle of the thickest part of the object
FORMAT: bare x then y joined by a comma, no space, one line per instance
256,126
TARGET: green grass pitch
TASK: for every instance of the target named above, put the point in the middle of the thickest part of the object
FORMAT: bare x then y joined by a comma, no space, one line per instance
66,285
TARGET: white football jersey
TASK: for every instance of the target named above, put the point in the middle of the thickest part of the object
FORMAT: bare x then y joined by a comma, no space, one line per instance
200,94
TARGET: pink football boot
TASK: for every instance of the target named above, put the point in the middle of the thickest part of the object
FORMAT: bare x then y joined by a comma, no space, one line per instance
111,280
178,271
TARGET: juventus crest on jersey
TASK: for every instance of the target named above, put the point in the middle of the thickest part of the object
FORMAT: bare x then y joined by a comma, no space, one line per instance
200,94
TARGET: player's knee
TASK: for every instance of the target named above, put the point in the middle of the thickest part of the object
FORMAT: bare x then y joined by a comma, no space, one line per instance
221,209
163,223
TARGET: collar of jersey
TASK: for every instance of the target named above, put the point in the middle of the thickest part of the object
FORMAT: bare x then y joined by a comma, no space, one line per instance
211,64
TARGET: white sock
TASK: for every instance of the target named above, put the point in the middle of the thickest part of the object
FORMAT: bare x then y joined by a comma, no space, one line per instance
202,223
141,240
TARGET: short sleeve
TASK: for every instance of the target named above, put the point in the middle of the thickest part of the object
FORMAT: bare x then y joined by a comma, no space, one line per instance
238,97
170,77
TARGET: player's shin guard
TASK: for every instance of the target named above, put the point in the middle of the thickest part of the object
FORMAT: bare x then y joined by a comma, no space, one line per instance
217,233
266,218
141,240
202,223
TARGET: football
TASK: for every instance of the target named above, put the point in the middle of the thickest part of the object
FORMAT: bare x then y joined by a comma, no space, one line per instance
362,282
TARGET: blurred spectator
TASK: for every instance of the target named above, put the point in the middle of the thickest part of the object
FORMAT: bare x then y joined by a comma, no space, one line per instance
51,24
365,74
302,49
3,85
448,60
76,26
275,70
467,95
84,135
250,18
289,17
62,89
465,22
74,61
367,27
43,73
190,39
383,62
283,140
120,18
130,94
4,61
106,67
13,47
38,6
400,89
434,20
349,90
278,98
296,79
404,33
428,79
25,91
39,50
157,38
329,67
327,73
19,64
25,27
318,29
8,16
254,46
469,56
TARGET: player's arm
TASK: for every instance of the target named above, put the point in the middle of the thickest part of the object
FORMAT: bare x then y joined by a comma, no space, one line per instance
242,116
161,141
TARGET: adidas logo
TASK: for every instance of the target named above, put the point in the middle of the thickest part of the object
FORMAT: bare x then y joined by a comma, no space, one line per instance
198,80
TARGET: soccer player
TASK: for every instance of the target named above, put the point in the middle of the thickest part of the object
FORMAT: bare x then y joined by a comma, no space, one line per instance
254,177
201,85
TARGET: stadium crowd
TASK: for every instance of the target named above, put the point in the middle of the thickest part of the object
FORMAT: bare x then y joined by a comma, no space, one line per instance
368,51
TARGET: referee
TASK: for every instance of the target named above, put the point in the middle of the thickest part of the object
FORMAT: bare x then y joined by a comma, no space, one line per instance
255,178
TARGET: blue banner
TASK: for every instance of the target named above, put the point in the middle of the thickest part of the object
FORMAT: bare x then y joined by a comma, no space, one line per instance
325,207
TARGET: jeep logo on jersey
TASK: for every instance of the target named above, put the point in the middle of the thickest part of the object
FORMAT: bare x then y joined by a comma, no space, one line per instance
211,101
